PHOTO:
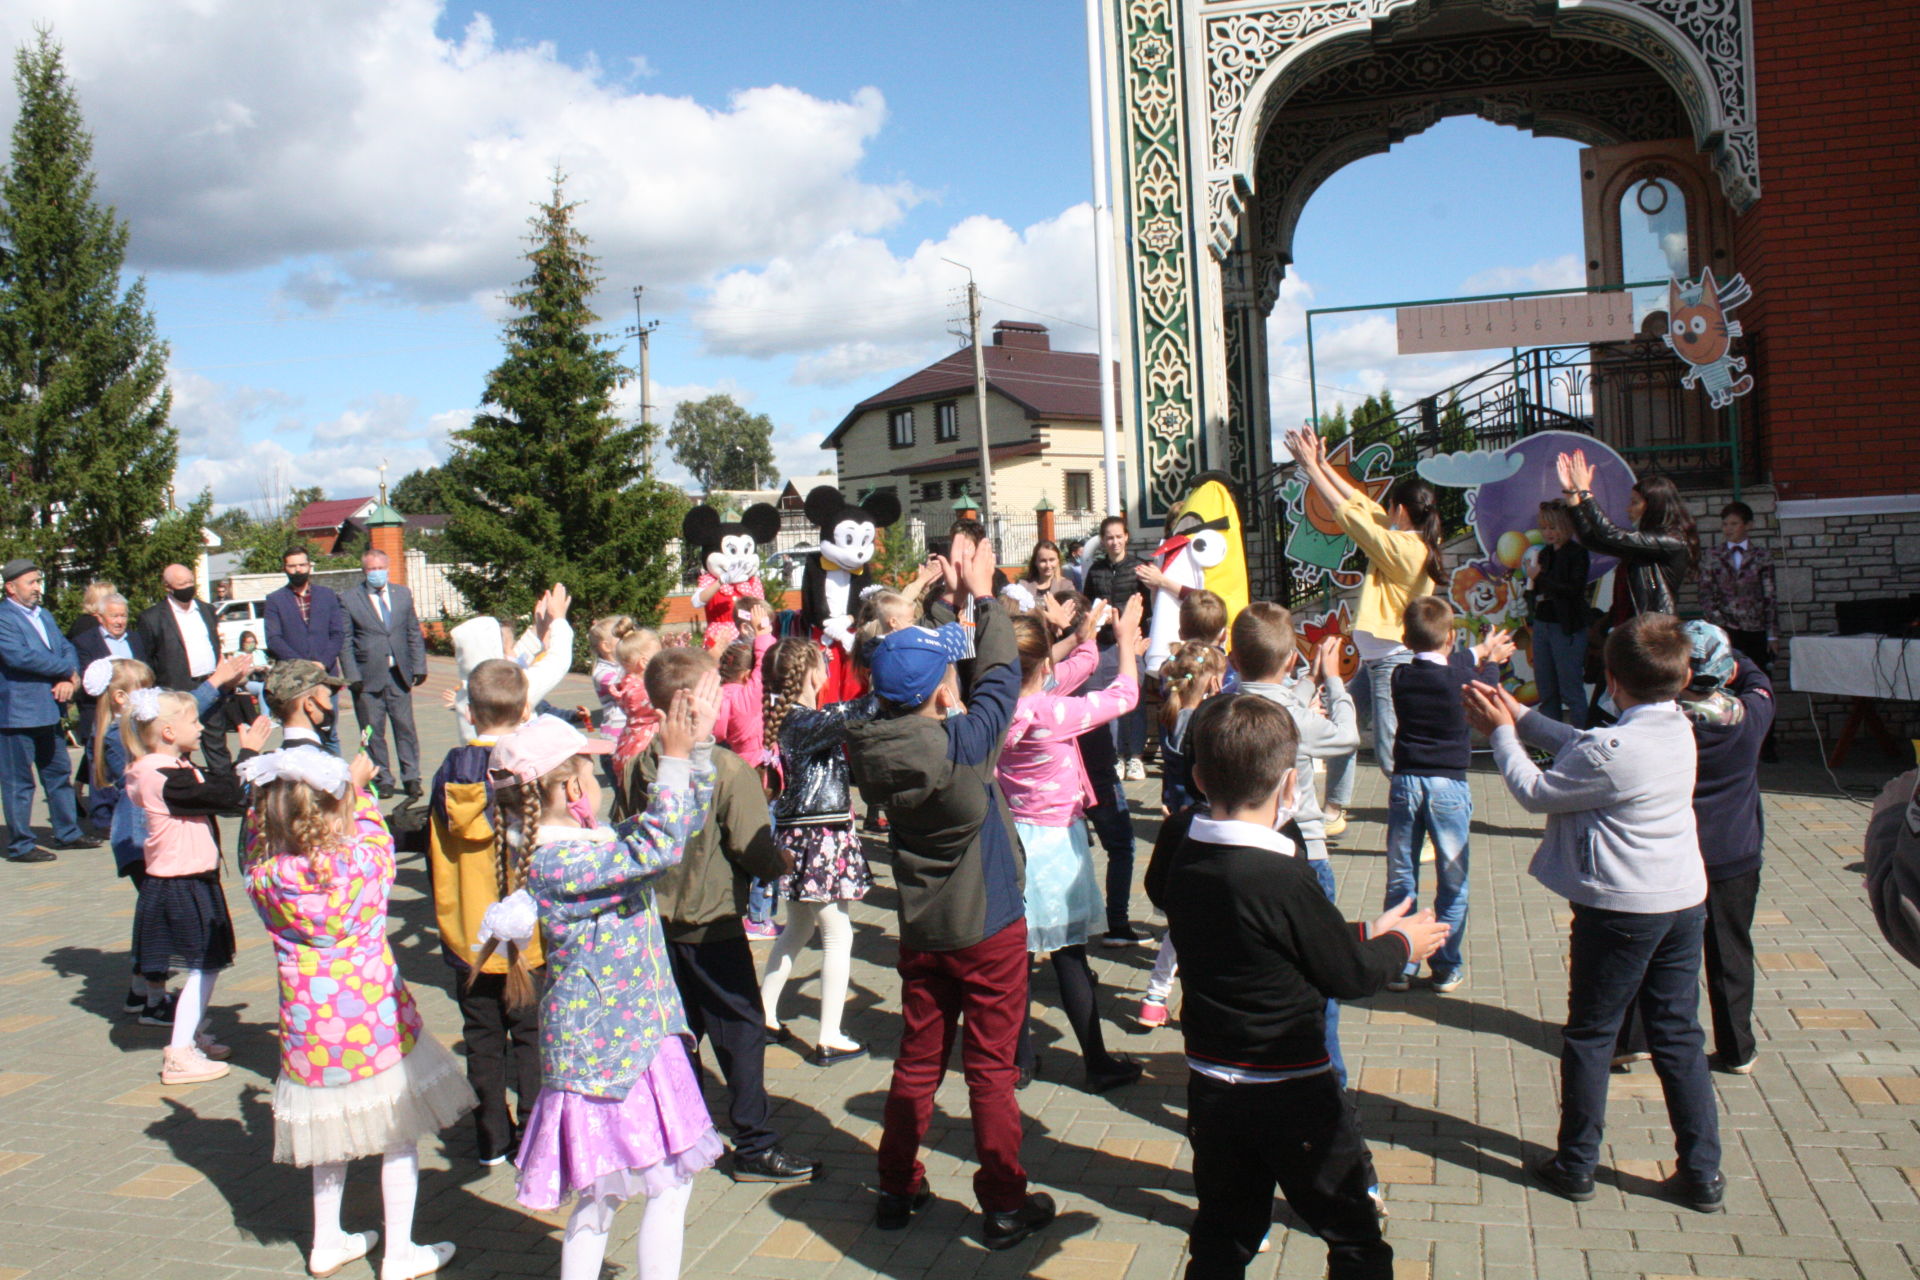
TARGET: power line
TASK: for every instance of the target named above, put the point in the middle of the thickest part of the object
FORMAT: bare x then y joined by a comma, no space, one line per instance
1042,314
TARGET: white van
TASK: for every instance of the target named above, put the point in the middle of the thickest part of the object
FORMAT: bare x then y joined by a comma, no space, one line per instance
237,618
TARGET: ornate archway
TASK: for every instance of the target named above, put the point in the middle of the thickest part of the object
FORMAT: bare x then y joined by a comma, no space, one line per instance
1229,114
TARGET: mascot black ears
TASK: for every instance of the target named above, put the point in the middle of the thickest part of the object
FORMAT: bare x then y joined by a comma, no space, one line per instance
729,549
846,529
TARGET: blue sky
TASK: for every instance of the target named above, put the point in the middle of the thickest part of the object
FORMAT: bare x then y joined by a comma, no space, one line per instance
327,202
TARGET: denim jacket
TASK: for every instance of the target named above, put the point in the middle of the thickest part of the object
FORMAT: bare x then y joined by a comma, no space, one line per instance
612,1001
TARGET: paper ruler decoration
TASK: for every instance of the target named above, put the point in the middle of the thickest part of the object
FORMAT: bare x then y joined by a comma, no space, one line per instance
1516,322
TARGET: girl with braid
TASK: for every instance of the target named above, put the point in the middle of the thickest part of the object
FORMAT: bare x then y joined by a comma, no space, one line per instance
358,1075
620,1112
814,827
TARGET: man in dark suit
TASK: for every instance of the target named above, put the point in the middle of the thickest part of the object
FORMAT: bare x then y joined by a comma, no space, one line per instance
383,657
304,621
38,674
182,642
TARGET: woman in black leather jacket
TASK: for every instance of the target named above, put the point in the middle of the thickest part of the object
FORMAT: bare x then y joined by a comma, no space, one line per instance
1656,554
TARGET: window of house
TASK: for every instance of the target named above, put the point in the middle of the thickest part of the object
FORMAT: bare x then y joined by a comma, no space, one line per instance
900,428
946,421
930,491
1079,490
956,487
1653,239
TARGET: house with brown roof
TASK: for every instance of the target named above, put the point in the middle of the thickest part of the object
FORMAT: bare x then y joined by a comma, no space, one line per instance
920,436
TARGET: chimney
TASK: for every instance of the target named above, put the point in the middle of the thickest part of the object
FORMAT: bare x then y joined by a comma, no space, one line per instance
1019,335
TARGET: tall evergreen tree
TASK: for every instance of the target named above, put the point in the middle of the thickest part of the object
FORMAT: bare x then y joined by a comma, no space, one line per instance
546,485
84,437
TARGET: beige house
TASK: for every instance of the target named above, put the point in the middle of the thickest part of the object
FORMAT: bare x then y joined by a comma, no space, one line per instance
920,437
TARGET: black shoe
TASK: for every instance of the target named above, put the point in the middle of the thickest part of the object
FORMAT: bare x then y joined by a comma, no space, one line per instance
821,1056
1005,1230
1567,1186
84,842
133,1005
773,1165
1124,1072
1124,936
1710,1197
413,789
779,1035
1728,1067
33,855
893,1213
158,1013
1028,1073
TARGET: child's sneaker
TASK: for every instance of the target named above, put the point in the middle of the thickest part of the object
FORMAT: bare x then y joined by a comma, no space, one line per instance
1153,1013
189,1066
211,1048
134,1005
1335,826
1445,982
762,930
1400,982
158,1013
1136,770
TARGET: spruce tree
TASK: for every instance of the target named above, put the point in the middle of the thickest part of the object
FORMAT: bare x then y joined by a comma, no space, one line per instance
547,484
87,447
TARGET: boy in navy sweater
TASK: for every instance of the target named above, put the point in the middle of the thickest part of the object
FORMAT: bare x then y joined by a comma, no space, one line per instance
1430,796
1261,952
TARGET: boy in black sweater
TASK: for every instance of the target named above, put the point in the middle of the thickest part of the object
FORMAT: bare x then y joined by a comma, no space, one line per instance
1429,797
1261,950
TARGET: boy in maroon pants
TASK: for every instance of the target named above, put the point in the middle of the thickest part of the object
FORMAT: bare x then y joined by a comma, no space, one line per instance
929,760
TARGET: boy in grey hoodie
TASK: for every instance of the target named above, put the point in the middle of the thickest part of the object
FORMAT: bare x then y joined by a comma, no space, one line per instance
1620,845
929,759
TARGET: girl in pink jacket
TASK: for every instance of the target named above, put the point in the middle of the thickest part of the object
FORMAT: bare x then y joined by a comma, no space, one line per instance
1048,790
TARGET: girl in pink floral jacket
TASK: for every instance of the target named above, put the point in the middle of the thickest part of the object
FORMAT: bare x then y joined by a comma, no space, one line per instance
1047,788
358,1076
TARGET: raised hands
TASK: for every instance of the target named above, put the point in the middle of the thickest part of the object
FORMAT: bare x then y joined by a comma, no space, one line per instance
1497,647
230,670
1489,707
253,737
1307,448
1326,657
976,574
1424,933
689,718
1576,475
1058,612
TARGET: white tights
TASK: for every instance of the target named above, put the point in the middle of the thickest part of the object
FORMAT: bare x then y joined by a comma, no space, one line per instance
662,1236
836,964
399,1187
1165,965
195,993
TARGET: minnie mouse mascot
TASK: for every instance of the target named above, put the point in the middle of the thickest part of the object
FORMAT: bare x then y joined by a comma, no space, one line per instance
835,579
730,559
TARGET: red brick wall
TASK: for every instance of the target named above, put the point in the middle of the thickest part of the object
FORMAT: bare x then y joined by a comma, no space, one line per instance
1832,249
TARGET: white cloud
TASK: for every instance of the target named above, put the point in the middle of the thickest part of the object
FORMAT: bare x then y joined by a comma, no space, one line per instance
1568,271
234,134
856,309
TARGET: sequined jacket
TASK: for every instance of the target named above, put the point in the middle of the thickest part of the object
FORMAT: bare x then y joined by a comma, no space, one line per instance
813,763
1739,599
612,1001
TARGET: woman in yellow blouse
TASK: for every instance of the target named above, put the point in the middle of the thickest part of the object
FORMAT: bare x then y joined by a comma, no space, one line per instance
1401,536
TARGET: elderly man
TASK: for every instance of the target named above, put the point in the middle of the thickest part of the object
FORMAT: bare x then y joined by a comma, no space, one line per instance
182,642
38,674
304,622
383,657
107,635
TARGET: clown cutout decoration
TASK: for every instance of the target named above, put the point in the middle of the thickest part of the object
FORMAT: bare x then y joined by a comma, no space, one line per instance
1204,548
729,564
837,577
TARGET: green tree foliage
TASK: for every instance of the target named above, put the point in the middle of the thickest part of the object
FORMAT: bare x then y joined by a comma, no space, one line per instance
419,493
722,445
84,438
546,484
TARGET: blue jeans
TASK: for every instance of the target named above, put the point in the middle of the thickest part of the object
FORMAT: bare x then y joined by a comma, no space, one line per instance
1623,960
1129,732
1442,808
1113,825
1559,672
23,753
763,899
1323,871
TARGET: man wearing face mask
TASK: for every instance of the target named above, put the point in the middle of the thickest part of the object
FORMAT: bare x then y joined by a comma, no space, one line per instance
383,656
304,623
38,676
181,639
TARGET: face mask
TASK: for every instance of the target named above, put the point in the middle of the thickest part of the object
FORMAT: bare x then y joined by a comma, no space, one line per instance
298,580
185,595
581,811
324,720
376,578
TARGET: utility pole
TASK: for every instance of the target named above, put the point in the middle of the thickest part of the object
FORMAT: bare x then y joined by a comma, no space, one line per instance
980,401
644,332
1103,261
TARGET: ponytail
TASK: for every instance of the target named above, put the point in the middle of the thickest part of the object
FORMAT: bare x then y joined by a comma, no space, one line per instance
1423,513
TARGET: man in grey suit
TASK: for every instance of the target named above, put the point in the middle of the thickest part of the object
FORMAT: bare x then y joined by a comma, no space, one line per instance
383,657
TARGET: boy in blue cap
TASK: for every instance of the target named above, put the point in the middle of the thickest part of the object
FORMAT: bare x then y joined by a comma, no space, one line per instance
929,760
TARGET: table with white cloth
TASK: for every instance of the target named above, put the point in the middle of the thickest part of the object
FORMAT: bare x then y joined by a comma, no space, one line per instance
1862,669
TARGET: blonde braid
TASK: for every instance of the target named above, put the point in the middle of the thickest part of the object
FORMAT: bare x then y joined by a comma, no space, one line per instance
790,662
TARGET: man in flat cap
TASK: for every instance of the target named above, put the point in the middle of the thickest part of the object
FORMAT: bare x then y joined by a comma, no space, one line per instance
38,674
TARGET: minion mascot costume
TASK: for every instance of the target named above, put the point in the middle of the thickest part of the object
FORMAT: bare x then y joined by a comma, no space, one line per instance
1205,548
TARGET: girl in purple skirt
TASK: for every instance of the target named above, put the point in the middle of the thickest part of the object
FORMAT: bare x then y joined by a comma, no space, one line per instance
620,1112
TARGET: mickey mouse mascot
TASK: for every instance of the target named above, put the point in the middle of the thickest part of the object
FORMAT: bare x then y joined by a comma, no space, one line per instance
835,579
730,556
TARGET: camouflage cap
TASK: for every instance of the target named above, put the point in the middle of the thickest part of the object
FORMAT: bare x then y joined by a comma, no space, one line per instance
288,680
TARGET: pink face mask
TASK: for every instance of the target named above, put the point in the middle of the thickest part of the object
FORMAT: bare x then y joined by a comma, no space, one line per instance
581,810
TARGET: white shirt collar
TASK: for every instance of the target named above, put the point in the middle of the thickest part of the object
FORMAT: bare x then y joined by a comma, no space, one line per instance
1649,708
1737,546
1438,659
291,733
1249,834
182,608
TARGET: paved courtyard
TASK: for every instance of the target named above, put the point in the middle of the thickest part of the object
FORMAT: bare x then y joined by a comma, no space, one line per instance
106,1173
